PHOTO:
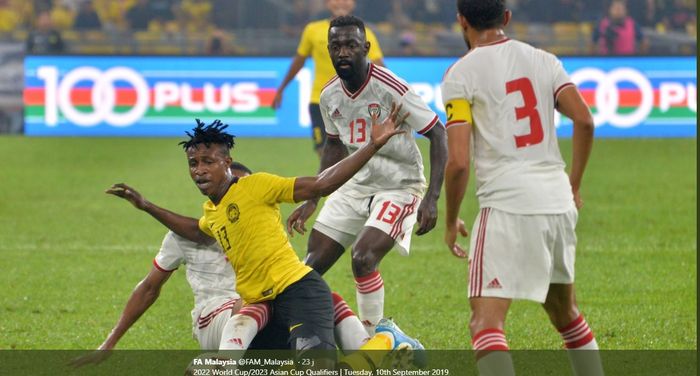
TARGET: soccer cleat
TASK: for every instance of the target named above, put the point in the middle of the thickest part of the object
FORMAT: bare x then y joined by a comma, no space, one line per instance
403,344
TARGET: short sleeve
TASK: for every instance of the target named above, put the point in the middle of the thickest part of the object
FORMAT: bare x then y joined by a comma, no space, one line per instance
269,188
560,79
170,256
331,130
375,52
204,227
305,45
452,88
456,99
421,119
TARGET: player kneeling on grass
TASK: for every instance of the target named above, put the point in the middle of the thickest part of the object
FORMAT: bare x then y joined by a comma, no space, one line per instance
243,215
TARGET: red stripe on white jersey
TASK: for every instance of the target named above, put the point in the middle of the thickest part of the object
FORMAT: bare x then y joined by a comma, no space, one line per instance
476,271
331,135
387,73
164,270
331,81
405,212
203,322
494,43
213,313
560,88
391,85
387,76
429,126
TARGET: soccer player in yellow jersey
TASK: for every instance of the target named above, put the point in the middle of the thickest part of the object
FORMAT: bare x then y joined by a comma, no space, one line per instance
243,215
314,43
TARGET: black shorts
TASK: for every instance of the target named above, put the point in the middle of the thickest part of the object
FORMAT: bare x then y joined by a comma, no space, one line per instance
318,129
302,318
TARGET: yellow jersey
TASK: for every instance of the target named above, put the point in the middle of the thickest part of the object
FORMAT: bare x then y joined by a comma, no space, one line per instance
247,224
314,43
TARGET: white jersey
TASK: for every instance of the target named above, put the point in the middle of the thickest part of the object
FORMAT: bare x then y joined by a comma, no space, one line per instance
209,274
347,116
512,89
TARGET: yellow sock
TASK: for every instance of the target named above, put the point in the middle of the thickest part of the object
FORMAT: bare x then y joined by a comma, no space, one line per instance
366,358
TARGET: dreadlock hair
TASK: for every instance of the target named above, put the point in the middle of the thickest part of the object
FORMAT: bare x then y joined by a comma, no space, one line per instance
483,14
209,134
348,20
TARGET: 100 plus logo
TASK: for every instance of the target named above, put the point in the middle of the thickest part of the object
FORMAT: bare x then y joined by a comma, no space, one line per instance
632,105
104,105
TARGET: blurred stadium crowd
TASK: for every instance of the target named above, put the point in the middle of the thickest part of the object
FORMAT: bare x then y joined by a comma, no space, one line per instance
272,27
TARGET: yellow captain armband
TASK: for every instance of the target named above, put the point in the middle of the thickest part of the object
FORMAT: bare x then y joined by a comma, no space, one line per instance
458,111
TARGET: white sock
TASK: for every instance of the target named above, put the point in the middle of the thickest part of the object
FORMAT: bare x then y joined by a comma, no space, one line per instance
578,336
241,328
496,363
492,356
370,299
350,334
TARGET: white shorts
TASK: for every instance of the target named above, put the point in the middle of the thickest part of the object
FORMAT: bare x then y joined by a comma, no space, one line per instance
211,321
518,256
394,212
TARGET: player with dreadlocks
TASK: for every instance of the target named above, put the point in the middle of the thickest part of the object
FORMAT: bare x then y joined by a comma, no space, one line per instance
243,215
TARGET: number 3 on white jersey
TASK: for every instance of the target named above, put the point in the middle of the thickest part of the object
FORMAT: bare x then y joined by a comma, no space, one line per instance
528,110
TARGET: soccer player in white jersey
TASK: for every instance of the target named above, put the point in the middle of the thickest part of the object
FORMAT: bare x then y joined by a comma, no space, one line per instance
500,100
378,207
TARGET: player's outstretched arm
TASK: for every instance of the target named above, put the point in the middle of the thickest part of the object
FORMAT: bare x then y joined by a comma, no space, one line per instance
325,183
456,179
427,212
571,104
143,296
296,66
187,227
333,152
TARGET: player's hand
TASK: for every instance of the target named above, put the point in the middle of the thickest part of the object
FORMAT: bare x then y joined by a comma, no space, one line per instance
451,238
427,216
277,100
130,194
299,216
381,133
578,200
95,357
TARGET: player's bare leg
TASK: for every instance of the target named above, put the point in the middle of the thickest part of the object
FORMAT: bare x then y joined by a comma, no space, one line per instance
322,252
488,338
565,316
368,251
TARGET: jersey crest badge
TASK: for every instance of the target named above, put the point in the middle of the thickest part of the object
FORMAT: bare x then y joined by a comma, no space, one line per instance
233,213
374,109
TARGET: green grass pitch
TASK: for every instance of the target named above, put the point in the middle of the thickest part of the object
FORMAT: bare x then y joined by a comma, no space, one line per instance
71,254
